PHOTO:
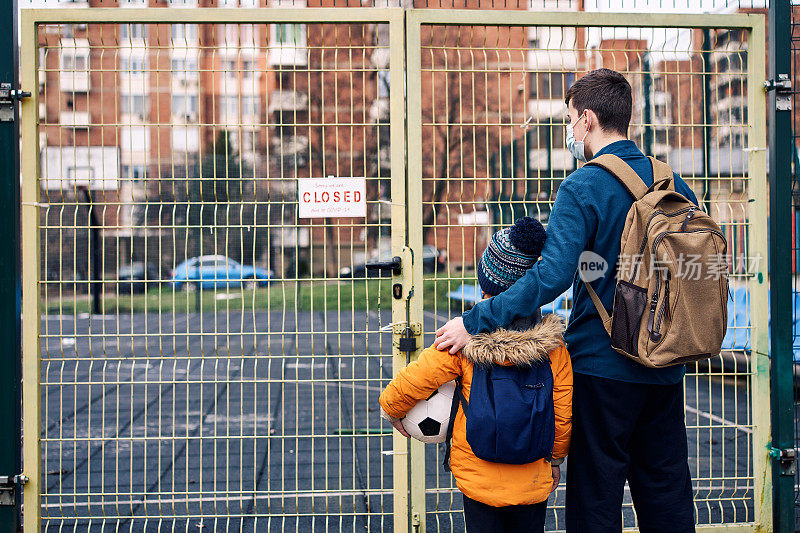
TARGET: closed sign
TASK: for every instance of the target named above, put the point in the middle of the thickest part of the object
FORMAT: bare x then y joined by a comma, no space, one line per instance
332,197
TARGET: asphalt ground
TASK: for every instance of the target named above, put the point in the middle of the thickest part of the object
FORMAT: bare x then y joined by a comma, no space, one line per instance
262,421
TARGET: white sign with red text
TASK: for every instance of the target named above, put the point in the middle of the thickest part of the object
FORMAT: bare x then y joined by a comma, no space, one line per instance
332,197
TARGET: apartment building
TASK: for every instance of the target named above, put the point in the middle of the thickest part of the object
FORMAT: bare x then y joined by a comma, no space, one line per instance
555,57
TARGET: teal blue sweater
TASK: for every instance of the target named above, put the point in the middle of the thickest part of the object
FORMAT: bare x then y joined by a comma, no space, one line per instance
588,214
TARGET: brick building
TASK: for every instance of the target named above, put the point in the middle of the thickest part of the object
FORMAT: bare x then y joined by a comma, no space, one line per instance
141,115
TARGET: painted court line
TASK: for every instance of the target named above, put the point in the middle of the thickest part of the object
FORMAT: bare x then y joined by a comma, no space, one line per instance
719,419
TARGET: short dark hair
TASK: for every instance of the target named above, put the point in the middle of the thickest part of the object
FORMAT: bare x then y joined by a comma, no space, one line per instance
608,94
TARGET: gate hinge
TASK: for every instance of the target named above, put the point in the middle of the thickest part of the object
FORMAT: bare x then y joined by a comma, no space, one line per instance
8,99
8,486
783,91
787,458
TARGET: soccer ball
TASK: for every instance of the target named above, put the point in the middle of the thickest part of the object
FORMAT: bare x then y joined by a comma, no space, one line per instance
428,420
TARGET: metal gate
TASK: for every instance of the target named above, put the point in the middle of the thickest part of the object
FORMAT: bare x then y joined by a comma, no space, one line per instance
198,355
228,376
486,145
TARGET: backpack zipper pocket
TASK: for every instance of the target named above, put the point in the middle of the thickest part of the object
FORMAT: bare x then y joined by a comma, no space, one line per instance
647,227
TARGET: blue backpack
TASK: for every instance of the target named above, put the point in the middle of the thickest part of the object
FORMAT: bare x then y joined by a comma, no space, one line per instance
510,414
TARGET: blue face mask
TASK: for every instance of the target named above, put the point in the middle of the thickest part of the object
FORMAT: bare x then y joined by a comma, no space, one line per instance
576,148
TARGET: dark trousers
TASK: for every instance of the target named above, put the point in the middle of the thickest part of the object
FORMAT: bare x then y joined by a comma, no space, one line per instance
628,430
482,518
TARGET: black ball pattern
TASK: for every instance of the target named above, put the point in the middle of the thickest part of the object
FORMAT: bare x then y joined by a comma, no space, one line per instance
528,235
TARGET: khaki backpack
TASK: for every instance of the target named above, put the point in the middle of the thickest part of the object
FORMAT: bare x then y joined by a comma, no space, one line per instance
670,302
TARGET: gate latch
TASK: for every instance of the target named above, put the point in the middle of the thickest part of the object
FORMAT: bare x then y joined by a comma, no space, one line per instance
8,98
393,265
787,459
8,487
783,91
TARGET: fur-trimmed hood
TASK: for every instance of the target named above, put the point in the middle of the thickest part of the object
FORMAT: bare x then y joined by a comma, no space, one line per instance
520,348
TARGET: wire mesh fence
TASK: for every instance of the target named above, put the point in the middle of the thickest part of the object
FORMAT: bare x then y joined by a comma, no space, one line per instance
208,358
493,150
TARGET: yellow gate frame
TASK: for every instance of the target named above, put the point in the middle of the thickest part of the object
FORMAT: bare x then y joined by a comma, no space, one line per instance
406,211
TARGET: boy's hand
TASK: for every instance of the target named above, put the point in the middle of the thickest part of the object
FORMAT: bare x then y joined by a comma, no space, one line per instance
398,425
452,335
556,476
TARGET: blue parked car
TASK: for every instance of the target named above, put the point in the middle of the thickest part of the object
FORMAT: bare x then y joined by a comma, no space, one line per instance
215,272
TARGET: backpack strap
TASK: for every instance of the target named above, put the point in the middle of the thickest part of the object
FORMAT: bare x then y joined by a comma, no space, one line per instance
663,177
623,172
457,397
604,316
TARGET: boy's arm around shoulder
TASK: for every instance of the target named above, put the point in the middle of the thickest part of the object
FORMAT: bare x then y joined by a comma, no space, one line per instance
418,380
572,221
562,399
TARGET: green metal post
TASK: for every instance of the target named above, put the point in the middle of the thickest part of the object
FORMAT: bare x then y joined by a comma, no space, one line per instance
647,115
10,281
780,250
706,55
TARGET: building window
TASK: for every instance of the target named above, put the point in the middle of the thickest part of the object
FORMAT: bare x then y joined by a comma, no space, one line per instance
248,68
184,32
184,68
250,105
73,60
290,34
229,67
235,34
184,106
182,3
134,172
132,32
551,85
229,106
133,65
74,75
288,41
133,104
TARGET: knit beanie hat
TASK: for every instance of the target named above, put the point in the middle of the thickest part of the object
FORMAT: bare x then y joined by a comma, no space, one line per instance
511,252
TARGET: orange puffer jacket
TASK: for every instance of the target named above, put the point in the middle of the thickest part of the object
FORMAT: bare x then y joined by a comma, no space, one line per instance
495,484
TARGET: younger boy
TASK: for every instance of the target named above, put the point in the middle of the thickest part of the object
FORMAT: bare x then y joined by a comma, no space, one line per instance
498,497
